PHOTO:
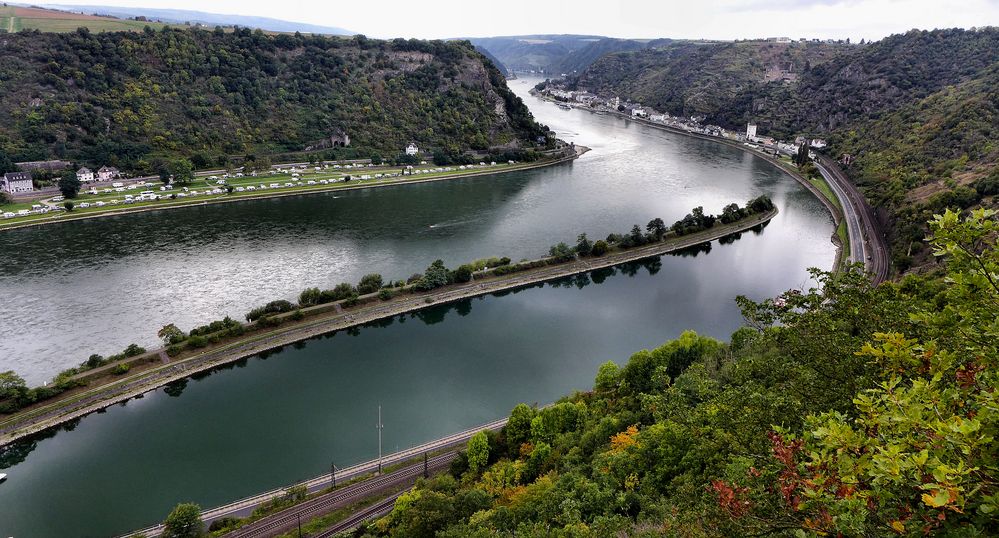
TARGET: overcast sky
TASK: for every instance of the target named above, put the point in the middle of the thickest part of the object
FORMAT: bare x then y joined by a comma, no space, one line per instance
712,19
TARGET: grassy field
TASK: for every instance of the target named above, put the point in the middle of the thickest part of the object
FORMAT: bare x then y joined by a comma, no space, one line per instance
15,19
821,184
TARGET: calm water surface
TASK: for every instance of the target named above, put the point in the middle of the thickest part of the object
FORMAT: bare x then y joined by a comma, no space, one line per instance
268,421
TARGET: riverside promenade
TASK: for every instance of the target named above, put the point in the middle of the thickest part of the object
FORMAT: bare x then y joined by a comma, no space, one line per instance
321,320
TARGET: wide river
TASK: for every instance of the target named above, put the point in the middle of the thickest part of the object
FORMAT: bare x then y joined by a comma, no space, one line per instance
94,286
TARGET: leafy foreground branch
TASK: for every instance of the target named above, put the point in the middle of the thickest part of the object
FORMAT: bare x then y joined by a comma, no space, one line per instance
847,409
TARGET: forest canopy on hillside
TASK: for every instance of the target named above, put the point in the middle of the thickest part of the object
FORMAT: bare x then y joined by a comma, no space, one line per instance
127,99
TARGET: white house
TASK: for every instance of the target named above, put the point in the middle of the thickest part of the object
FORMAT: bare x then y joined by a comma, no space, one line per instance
751,131
15,182
84,175
106,173
411,149
818,143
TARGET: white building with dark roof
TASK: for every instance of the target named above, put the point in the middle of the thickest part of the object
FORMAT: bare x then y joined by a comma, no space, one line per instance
85,175
16,182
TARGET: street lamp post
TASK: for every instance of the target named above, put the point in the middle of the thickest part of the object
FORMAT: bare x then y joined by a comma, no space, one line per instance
379,426
333,474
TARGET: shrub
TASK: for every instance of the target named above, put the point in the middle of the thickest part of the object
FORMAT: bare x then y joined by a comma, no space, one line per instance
269,321
386,294
462,274
343,291
298,315
310,296
133,350
121,369
197,341
94,361
273,307
435,276
369,284
174,350
562,253
599,248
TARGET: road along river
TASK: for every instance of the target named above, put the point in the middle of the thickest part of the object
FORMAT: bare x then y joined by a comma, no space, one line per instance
265,422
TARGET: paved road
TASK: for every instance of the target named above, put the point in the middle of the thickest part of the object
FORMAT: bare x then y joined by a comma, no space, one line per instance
244,507
854,228
867,239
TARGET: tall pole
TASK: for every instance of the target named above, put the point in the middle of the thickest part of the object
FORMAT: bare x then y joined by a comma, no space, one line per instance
379,426
333,474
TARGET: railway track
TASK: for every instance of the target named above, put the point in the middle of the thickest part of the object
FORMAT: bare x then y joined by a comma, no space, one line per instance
376,510
324,504
245,506
872,250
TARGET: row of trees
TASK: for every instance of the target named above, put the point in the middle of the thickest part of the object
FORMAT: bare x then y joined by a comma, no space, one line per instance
656,230
16,395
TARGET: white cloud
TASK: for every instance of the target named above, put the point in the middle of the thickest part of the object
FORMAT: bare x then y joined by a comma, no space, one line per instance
714,19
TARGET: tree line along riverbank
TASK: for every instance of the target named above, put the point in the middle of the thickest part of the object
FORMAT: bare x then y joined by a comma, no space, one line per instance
96,384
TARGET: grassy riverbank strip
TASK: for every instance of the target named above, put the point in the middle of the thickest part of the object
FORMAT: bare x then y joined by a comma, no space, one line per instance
108,385
141,207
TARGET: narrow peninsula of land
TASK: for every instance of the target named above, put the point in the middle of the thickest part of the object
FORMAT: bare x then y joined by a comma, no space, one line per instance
91,387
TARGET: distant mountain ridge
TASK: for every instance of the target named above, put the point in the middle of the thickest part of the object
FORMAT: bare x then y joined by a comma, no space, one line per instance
180,16
555,53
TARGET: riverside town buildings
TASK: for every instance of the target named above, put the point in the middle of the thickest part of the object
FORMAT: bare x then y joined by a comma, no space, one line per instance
84,175
15,182
105,173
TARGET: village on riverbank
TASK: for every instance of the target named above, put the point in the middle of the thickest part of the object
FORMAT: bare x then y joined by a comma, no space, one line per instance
555,90
107,193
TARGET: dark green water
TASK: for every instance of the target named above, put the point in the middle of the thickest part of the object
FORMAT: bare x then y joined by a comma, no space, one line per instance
268,422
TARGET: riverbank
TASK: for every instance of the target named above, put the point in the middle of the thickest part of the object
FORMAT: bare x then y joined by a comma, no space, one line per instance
833,204
161,369
85,214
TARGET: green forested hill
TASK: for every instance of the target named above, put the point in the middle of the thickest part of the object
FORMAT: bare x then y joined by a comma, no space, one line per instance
127,99
847,411
917,110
